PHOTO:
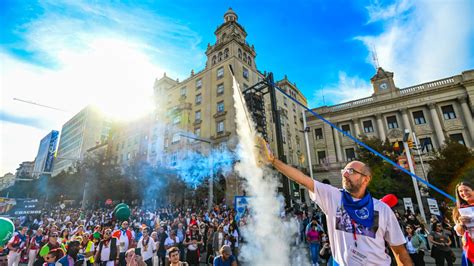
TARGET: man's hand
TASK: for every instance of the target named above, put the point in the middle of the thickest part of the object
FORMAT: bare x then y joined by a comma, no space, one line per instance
265,153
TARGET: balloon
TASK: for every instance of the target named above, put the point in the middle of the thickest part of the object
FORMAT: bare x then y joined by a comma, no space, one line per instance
120,205
6,230
122,213
390,199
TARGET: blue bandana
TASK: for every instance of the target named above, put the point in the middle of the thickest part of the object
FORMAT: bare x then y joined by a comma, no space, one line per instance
362,211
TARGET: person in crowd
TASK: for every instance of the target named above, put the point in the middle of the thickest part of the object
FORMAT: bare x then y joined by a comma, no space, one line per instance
53,256
218,240
16,245
225,258
125,237
325,251
209,247
358,225
36,243
162,237
64,236
173,257
234,239
313,237
87,249
465,199
147,246
107,253
415,245
181,233
45,249
133,259
192,242
72,255
441,243
171,241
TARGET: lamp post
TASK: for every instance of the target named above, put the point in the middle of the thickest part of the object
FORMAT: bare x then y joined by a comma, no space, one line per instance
211,177
406,136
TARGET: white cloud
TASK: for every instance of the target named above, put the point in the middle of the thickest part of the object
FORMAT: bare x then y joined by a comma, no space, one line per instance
347,89
84,61
423,40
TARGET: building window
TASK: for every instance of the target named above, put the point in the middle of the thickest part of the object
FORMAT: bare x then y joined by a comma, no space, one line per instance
392,122
318,133
419,118
239,53
350,154
249,61
198,84
175,139
220,107
448,112
245,73
183,91
197,116
220,88
220,72
368,127
219,57
426,144
285,101
346,129
197,132
177,119
226,53
322,157
458,137
198,99
214,60
220,127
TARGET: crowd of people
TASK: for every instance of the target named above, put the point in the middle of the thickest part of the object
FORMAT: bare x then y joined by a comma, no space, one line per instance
166,236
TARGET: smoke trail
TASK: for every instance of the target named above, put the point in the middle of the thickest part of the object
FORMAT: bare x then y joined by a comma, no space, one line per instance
268,236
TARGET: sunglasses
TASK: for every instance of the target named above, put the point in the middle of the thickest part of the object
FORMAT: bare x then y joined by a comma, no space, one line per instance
351,171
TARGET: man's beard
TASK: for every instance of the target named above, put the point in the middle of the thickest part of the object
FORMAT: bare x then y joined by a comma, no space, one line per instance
351,187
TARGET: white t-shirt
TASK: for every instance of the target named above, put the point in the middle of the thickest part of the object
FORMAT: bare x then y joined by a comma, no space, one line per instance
105,254
370,241
170,242
123,242
148,253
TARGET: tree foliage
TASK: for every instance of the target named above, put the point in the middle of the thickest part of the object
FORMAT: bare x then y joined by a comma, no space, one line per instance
453,163
386,179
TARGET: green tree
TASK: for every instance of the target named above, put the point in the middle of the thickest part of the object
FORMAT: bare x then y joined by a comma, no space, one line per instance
453,163
386,179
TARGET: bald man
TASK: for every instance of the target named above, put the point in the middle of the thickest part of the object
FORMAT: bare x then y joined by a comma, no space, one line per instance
358,225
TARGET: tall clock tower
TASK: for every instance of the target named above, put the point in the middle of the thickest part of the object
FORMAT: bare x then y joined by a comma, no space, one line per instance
382,82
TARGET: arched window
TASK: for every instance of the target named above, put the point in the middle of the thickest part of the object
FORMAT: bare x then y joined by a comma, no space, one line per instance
219,57
226,53
214,58
249,61
224,36
240,53
245,57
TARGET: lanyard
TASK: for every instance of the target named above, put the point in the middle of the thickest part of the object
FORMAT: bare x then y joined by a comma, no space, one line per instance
354,231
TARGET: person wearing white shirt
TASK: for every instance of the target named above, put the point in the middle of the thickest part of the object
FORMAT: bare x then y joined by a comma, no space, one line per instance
358,225
147,246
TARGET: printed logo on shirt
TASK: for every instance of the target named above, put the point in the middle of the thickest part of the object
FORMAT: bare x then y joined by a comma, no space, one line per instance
362,213
343,222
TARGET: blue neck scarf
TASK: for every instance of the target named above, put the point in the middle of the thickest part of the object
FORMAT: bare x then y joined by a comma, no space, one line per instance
362,211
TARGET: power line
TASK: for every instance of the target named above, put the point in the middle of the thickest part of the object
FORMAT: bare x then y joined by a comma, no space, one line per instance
42,105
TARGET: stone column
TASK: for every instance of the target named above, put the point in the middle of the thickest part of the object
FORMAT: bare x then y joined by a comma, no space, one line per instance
467,117
437,124
380,127
337,142
355,122
406,120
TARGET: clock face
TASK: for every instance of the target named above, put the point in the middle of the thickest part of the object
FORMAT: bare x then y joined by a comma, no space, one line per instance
383,86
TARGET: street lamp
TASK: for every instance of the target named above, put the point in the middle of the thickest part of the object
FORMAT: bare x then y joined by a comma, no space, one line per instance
406,136
211,178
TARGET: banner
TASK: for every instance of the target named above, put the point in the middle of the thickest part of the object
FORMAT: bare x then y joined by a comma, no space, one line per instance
240,205
408,204
433,205
19,207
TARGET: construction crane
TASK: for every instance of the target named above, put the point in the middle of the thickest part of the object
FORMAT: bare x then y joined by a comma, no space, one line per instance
42,105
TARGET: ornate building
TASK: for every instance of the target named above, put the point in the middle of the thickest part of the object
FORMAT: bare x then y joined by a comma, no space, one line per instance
435,111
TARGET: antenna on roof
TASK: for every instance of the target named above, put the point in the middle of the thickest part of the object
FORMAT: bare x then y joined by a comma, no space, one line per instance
375,57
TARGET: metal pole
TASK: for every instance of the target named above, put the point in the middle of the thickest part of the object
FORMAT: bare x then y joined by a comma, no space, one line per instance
419,155
415,183
307,144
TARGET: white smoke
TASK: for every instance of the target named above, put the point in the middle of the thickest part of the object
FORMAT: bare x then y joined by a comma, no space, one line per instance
268,237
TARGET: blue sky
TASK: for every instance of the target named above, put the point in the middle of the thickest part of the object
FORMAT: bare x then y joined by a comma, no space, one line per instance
67,54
